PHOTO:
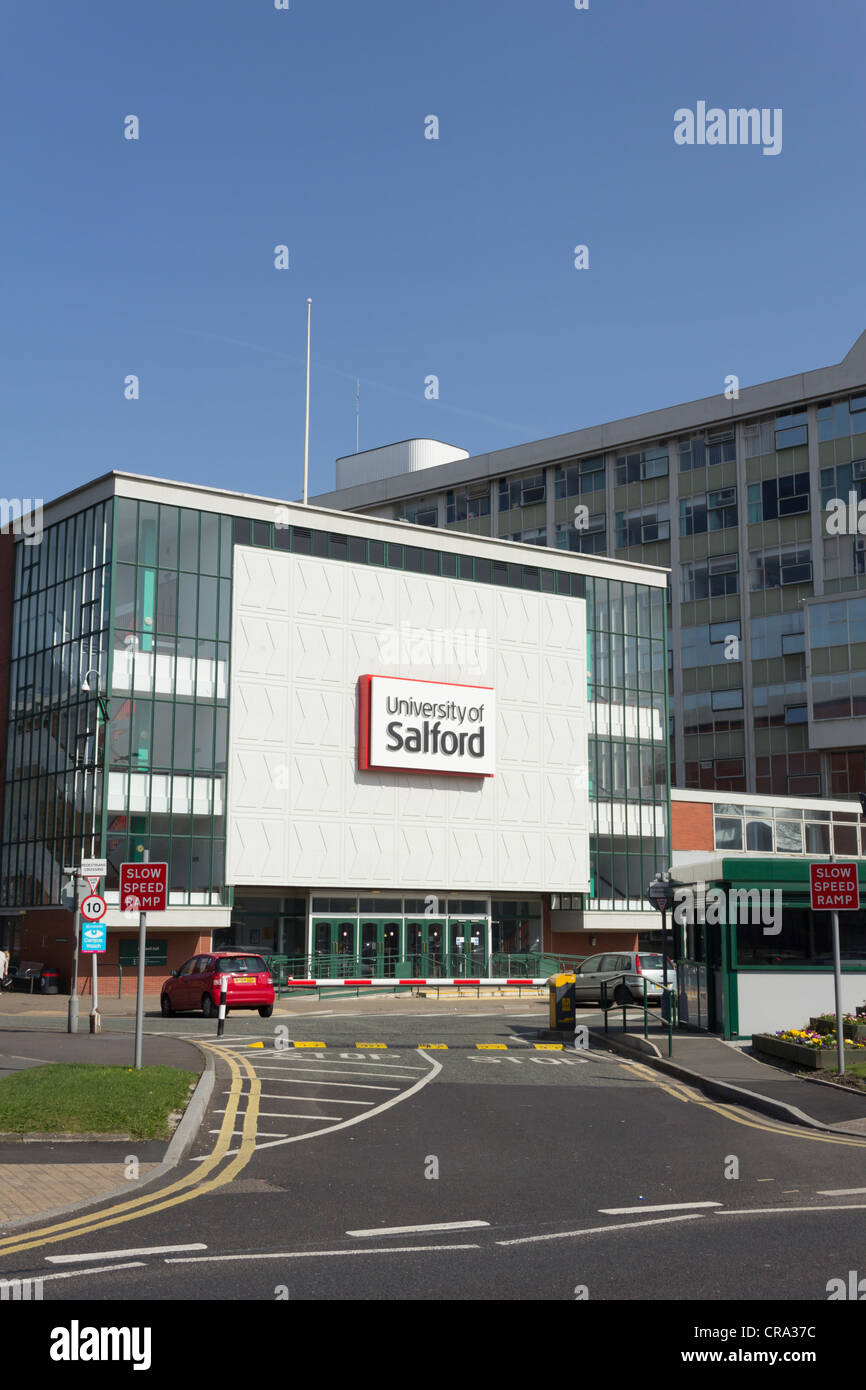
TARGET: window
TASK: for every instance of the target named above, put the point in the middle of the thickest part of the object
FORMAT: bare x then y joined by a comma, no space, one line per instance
521,492
467,503
781,635
638,467
777,497
707,645
775,568
838,419
640,527
710,578
577,478
590,539
424,512
831,697
718,447
838,482
791,429
727,699
796,714
729,833
537,536
711,511
759,835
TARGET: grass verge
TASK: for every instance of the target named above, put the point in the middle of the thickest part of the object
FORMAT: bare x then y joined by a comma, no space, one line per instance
77,1098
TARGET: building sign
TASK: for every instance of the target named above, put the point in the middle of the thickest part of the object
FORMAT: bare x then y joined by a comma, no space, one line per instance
426,726
143,887
834,887
155,952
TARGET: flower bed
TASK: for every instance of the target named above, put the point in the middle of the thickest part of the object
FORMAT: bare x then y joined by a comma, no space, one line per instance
806,1048
854,1028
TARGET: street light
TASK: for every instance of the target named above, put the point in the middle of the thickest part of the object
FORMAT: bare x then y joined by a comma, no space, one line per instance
660,894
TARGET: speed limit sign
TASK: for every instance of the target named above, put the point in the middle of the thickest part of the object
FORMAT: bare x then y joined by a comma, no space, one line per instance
93,908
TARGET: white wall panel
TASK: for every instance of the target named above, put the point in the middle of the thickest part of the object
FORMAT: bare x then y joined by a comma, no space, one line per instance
302,815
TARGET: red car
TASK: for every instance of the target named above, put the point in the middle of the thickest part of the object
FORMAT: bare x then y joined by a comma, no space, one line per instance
197,984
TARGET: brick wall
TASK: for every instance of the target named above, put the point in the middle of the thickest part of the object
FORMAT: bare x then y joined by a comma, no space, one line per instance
47,937
692,825
579,943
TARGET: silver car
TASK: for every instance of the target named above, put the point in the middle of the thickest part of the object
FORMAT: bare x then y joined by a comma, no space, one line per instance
624,972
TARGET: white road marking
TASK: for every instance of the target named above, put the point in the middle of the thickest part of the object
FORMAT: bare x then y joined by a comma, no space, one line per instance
316,1254
769,1211
119,1254
103,1269
332,1100
338,1063
841,1191
343,1085
388,1076
664,1206
417,1230
596,1230
279,1115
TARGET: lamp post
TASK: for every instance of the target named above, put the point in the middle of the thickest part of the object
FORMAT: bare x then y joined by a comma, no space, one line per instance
661,895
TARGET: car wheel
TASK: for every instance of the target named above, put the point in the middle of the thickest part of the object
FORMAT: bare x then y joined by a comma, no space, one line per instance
621,996
266,1011
207,1006
165,1006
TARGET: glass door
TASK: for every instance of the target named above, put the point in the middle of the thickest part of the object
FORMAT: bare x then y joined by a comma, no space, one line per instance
380,946
467,947
425,947
333,947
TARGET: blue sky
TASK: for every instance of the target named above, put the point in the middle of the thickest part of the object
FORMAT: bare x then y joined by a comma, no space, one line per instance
451,257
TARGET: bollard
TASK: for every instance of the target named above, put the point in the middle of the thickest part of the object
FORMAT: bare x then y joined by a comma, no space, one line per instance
224,989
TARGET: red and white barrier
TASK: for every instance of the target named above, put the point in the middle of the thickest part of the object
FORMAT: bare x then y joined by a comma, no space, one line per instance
390,980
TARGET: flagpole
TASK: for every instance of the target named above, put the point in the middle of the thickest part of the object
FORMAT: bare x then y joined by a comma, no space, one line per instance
307,410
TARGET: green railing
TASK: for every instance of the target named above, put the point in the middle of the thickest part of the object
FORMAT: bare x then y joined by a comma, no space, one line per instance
669,1023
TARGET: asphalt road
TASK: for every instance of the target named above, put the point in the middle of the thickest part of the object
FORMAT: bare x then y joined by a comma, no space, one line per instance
539,1175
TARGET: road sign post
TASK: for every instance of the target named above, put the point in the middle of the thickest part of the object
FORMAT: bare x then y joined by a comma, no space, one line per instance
835,887
72,1010
89,910
94,939
144,885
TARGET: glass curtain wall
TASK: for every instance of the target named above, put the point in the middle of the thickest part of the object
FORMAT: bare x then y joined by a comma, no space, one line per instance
628,746
52,799
168,741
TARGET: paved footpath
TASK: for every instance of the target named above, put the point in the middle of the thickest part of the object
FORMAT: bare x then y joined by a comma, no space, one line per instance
41,1176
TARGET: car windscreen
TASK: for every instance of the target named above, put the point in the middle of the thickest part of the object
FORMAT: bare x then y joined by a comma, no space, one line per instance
241,965
652,961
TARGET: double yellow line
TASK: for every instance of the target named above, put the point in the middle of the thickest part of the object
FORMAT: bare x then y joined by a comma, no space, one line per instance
205,1179
731,1111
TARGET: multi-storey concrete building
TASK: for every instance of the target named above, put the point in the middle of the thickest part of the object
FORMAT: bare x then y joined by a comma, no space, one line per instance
767,597
357,744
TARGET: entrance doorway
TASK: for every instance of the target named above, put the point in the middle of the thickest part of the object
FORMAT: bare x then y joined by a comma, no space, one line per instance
467,947
334,947
380,946
425,947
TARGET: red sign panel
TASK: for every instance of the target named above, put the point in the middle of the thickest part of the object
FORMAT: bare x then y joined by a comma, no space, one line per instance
143,887
834,887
